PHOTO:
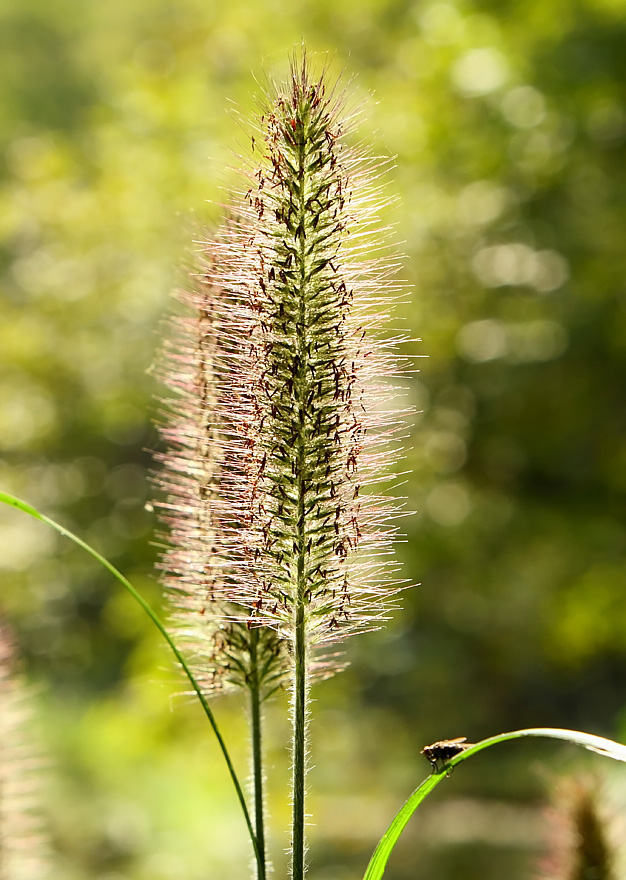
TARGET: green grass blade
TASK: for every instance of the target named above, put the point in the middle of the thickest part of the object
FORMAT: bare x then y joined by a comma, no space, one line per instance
598,744
378,862
18,504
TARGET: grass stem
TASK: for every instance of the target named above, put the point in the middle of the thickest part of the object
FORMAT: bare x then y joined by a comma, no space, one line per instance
298,847
256,725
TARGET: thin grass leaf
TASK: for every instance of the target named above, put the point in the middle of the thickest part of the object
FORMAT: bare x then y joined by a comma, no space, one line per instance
24,507
598,744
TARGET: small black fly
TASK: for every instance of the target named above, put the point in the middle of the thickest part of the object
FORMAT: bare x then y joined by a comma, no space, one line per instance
443,751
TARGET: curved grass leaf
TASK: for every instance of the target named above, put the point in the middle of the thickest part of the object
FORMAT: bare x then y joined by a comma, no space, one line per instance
18,504
599,744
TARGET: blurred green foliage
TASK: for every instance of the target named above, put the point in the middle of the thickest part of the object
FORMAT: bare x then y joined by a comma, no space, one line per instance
508,124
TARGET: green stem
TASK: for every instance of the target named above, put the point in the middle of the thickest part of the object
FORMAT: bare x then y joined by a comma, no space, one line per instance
299,748
12,501
300,691
257,754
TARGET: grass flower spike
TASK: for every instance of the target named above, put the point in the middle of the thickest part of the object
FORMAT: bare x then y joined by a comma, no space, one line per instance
309,417
199,562
279,546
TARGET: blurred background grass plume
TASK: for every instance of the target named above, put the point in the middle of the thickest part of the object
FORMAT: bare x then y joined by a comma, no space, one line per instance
118,123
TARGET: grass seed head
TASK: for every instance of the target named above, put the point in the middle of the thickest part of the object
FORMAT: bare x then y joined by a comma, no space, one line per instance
284,421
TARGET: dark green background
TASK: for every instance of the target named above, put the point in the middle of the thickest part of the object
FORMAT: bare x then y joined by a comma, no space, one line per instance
118,124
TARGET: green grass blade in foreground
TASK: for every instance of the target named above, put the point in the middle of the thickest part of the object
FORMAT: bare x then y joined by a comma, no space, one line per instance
599,744
18,504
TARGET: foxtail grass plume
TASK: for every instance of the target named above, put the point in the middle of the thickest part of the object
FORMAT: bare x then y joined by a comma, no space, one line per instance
196,476
24,847
283,420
